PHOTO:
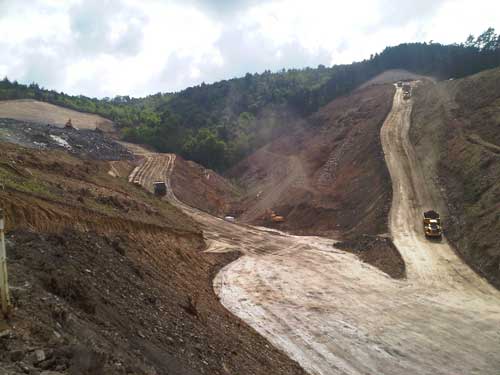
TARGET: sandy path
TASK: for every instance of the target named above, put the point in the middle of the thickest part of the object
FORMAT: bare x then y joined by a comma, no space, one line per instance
336,315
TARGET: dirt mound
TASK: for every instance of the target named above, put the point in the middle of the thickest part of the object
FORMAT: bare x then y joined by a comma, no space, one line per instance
328,177
204,189
108,279
45,113
455,132
377,251
86,143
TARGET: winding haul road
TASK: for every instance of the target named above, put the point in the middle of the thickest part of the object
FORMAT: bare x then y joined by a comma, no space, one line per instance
336,315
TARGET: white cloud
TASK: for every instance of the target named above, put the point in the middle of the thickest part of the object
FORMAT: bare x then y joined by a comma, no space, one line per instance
109,47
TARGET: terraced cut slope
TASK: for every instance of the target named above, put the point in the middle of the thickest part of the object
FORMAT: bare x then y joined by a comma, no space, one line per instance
337,315
46,113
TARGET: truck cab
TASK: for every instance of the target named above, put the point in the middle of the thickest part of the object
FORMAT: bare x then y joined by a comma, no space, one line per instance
432,224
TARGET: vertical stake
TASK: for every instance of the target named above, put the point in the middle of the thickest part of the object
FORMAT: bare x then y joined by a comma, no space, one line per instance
4,284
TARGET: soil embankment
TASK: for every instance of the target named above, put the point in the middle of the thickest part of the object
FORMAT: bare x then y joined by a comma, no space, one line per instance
204,189
329,176
108,279
456,135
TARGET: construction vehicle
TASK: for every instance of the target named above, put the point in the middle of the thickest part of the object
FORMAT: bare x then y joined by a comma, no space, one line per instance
406,91
275,218
432,224
159,188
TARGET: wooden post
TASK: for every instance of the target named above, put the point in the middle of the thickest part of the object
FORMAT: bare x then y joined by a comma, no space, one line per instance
4,284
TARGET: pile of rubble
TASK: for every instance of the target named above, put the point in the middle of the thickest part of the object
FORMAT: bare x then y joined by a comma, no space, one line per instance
92,144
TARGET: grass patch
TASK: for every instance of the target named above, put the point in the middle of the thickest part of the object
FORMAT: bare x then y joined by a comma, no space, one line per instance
11,180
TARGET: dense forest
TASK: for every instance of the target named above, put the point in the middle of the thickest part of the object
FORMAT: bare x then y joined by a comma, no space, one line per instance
219,124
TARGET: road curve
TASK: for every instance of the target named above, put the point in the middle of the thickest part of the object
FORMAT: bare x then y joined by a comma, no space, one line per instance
337,315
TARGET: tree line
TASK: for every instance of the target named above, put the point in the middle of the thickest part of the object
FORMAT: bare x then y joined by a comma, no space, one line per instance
219,124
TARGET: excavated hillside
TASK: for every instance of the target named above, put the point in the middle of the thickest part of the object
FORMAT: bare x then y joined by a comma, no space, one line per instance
456,132
204,189
328,177
108,279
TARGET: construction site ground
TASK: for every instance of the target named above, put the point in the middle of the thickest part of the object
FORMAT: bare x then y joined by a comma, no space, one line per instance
108,279
330,310
336,315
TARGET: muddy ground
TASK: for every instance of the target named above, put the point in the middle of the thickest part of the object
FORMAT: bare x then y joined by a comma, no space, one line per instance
456,135
107,279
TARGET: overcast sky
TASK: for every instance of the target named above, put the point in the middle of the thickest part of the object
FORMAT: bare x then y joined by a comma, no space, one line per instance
139,47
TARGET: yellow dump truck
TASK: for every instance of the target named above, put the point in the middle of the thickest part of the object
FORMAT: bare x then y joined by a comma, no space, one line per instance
432,224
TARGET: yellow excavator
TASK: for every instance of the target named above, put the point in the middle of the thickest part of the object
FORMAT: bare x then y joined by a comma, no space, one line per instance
275,218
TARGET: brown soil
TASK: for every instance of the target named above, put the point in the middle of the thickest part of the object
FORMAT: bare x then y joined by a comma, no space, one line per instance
45,113
455,130
204,189
377,251
329,176
107,279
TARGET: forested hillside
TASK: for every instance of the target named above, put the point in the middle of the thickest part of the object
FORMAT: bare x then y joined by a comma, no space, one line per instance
219,124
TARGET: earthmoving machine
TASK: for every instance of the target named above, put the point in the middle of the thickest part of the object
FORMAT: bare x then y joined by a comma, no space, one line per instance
159,188
406,91
275,218
432,224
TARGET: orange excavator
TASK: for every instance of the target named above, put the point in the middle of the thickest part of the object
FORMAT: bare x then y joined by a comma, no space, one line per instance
275,218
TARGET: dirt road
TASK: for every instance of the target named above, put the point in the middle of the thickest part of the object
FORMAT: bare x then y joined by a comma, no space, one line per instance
337,315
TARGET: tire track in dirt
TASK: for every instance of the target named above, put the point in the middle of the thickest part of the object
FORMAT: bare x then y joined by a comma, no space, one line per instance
336,315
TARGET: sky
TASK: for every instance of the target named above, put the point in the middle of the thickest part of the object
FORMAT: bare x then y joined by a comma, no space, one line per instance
103,48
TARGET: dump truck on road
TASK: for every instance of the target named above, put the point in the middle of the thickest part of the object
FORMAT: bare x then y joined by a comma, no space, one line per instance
432,224
160,188
406,91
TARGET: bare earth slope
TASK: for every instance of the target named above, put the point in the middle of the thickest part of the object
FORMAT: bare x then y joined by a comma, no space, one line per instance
46,113
336,315
457,136
203,188
108,279
320,176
